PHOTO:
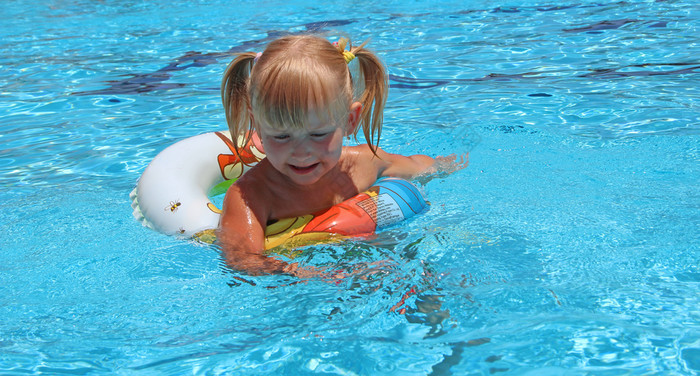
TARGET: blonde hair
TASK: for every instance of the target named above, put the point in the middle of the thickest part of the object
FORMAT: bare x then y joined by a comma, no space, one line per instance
296,74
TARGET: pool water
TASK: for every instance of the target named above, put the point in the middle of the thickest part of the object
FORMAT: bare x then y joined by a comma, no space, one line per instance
569,246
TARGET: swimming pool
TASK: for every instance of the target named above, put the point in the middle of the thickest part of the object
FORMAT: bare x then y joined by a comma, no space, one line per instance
570,245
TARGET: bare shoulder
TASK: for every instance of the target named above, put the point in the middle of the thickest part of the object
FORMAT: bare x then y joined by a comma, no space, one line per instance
358,150
245,209
249,192
364,154
362,165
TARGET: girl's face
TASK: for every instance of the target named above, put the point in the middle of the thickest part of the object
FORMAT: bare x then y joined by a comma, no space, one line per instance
307,154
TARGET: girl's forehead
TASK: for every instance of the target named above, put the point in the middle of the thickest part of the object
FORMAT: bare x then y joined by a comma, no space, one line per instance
310,120
295,108
312,125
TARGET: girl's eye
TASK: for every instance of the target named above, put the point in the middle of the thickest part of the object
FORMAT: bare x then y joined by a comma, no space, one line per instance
281,137
319,135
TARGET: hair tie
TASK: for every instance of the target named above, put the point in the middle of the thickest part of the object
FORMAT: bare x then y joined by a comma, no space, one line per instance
340,45
348,56
257,56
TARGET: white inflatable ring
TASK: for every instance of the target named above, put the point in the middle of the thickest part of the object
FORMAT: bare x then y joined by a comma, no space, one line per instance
172,195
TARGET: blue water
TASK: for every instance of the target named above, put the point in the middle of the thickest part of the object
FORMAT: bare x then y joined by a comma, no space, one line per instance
569,246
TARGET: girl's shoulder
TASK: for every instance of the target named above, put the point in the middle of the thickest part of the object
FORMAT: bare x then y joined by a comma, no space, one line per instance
364,151
364,154
363,165
360,155
254,183
253,191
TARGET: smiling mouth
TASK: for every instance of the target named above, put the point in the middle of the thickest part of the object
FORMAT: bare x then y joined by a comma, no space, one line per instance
303,169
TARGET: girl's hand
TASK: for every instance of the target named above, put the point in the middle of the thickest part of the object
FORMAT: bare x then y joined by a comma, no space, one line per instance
449,164
443,166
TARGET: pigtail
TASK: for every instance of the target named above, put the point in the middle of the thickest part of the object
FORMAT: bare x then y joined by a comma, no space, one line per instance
236,101
374,95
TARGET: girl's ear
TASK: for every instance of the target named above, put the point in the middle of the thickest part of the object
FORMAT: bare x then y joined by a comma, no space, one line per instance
353,118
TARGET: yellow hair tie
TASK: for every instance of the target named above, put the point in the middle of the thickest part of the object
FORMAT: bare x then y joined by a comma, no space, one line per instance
348,56
340,45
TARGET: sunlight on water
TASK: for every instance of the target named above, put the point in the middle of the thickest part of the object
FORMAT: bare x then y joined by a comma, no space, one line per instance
568,246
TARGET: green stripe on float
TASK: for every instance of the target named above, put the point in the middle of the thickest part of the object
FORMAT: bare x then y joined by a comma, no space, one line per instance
221,188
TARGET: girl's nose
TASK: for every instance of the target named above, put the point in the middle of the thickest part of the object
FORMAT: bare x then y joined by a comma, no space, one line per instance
301,147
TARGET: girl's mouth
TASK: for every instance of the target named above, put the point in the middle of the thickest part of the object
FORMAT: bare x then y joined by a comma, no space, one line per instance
303,169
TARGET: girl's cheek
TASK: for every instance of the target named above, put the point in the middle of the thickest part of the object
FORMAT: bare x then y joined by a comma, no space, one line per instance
272,148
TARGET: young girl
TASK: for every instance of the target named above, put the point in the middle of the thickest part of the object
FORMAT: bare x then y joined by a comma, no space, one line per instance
299,96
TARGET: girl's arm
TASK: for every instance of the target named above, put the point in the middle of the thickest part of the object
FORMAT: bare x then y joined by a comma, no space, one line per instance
241,235
408,167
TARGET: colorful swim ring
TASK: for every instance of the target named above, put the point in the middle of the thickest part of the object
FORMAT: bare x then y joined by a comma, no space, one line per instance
173,195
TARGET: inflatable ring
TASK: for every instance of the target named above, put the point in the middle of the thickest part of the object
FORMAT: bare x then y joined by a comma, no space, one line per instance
173,196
